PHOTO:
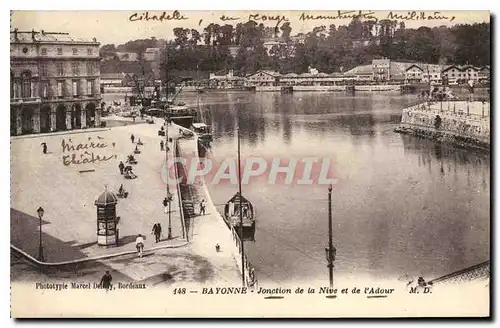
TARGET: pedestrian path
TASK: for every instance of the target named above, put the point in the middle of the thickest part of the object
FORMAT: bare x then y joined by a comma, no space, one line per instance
208,230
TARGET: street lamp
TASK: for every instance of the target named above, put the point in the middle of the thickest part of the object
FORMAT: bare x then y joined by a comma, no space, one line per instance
40,212
330,250
166,203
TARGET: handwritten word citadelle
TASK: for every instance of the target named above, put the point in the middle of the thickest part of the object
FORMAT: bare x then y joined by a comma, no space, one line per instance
87,155
146,16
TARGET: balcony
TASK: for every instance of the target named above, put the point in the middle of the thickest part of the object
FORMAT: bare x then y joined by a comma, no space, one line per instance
29,100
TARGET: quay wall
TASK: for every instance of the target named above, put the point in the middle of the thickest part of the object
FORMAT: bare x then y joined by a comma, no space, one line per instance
235,244
470,131
378,87
318,88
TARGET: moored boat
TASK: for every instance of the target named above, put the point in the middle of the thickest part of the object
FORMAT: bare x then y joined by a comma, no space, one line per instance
239,214
202,131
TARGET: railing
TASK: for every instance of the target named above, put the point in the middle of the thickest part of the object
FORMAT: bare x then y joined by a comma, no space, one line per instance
438,107
249,272
179,196
25,100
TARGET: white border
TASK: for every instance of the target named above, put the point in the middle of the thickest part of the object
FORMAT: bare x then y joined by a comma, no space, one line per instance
193,5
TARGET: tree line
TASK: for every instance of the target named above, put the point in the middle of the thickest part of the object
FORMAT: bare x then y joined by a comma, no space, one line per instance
328,48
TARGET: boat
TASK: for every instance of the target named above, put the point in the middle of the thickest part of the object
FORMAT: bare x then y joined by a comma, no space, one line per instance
202,131
239,212
247,219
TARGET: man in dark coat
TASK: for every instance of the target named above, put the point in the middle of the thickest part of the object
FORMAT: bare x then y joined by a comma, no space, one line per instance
106,281
157,231
121,166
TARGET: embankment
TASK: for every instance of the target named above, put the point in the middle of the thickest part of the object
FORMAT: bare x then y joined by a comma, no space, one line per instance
457,128
209,229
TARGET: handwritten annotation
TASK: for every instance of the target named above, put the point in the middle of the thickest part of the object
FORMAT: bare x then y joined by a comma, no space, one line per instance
83,153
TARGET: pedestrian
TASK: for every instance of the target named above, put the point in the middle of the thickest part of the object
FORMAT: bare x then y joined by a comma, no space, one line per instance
133,118
157,231
162,145
106,281
44,147
132,138
139,244
202,207
121,166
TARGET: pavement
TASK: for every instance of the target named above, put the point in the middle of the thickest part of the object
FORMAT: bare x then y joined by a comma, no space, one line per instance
68,192
208,230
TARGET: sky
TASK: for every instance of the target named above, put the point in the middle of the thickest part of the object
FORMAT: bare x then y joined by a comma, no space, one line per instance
116,26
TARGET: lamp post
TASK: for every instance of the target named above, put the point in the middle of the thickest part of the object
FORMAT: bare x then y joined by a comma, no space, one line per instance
330,251
166,203
40,212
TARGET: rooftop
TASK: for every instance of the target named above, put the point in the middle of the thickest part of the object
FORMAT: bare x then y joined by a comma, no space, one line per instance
43,36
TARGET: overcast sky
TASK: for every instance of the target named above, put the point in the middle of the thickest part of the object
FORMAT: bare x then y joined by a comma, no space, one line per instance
116,26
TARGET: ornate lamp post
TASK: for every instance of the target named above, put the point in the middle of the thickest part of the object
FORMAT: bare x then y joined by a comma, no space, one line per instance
40,212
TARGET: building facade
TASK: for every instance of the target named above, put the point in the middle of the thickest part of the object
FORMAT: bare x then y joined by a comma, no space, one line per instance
55,82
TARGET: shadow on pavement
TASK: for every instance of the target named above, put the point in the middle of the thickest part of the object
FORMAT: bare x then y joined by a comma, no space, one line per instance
24,234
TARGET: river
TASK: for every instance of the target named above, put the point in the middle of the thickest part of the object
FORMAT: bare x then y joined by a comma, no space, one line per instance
402,205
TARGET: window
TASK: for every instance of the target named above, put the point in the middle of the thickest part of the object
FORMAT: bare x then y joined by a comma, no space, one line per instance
60,69
45,89
75,68
90,87
59,51
75,51
43,69
60,89
90,68
44,51
89,51
12,86
75,88
26,85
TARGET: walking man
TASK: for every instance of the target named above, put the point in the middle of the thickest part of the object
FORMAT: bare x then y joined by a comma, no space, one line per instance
139,244
132,138
157,231
44,147
162,145
106,281
202,207
121,166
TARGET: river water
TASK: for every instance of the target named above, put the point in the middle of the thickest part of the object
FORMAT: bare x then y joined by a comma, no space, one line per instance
402,205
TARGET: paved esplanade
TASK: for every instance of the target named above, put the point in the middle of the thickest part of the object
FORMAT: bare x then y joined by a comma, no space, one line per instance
67,194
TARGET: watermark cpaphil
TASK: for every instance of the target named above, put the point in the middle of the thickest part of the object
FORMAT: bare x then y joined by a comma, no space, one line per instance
253,169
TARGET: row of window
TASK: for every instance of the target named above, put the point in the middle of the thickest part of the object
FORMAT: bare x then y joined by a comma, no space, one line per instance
75,69
26,89
90,51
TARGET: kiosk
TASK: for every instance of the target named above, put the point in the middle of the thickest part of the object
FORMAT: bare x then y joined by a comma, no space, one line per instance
106,219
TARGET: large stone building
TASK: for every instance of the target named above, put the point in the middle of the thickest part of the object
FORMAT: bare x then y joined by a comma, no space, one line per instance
55,82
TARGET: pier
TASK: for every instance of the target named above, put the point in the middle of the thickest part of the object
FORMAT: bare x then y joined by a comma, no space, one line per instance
462,123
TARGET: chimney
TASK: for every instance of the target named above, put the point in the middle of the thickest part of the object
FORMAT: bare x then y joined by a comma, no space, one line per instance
15,35
43,32
33,35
